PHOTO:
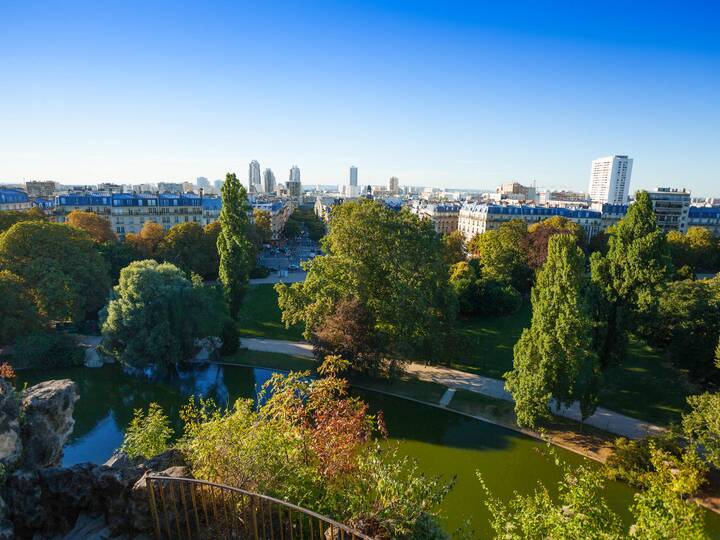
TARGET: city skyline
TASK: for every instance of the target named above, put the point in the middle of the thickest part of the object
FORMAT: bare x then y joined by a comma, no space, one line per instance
450,95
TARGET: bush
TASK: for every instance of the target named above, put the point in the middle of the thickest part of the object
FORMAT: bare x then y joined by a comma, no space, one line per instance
148,434
631,460
498,298
47,350
230,337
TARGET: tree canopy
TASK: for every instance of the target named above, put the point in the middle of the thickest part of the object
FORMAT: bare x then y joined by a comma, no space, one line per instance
539,235
96,226
191,248
553,359
18,312
147,241
235,250
8,218
66,275
697,249
263,224
157,313
503,254
393,263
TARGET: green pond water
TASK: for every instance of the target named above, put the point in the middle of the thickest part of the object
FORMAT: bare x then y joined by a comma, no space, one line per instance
442,442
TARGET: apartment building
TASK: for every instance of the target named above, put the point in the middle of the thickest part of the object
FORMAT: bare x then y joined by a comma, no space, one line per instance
444,216
671,208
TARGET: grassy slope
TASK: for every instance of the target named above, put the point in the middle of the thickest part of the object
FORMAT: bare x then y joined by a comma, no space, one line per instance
643,387
260,316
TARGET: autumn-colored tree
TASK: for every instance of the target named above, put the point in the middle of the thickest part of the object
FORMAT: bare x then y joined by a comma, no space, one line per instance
539,235
263,224
350,332
96,226
147,241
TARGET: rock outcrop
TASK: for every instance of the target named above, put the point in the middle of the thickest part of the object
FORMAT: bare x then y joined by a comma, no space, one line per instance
10,442
47,410
45,503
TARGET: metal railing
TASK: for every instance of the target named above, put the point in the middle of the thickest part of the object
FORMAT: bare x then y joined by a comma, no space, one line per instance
195,509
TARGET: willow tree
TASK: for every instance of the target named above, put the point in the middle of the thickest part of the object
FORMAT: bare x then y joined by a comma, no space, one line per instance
234,248
553,360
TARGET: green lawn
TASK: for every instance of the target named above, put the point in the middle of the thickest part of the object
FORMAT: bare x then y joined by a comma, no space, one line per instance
491,341
646,386
260,316
283,362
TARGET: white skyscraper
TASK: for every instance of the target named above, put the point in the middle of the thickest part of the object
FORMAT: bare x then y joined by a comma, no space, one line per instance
351,190
268,181
202,182
254,180
294,174
610,179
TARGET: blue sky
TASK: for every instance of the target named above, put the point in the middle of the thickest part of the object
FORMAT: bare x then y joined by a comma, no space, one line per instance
452,94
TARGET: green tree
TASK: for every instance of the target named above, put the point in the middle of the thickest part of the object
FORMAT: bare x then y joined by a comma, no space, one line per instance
8,218
18,312
697,249
503,254
118,255
553,359
235,250
97,227
185,245
263,224
702,425
66,275
393,263
628,278
148,434
156,315
686,323
454,247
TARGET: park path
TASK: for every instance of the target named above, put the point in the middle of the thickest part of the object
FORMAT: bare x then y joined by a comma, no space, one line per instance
604,419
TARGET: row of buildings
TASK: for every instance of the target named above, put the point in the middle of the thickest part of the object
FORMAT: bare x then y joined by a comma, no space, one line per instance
128,212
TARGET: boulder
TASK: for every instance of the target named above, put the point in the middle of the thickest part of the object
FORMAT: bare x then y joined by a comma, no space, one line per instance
47,422
92,358
10,442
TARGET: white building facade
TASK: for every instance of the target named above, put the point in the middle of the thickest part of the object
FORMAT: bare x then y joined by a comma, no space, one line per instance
610,179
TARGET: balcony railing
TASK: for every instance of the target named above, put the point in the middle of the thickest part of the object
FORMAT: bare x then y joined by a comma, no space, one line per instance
194,509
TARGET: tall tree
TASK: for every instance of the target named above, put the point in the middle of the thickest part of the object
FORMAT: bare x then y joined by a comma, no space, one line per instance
67,276
454,247
697,249
394,264
236,251
8,218
552,359
629,276
97,227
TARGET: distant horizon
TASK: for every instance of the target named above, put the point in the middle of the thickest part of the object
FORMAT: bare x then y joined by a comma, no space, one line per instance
438,94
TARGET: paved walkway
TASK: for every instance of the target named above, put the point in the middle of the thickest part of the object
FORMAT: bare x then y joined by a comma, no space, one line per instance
604,419
292,277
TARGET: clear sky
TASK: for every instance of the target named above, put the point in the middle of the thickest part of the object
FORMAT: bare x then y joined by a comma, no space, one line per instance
451,94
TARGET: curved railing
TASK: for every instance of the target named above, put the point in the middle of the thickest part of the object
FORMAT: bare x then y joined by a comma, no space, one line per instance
195,509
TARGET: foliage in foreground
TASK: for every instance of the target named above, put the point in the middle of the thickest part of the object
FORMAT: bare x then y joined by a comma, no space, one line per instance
662,509
309,443
148,434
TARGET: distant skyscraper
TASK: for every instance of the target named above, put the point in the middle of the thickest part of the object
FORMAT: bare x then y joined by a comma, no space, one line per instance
610,179
394,184
254,180
268,181
202,182
294,174
218,184
351,190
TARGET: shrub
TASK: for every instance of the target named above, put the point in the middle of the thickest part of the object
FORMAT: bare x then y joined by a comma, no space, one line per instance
47,350
230,337
498,298
148,434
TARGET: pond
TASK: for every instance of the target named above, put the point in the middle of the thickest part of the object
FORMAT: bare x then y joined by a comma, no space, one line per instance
442,442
